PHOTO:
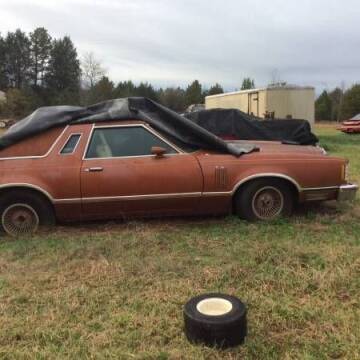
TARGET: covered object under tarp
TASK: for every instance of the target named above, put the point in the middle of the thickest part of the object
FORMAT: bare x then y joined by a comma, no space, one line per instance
233,124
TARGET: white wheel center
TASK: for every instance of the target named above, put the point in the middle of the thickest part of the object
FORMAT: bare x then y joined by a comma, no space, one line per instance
214,306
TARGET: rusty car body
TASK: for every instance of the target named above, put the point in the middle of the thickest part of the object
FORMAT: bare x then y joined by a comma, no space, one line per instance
117,169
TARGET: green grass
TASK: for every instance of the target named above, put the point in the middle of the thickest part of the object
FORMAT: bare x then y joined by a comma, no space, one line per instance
116,290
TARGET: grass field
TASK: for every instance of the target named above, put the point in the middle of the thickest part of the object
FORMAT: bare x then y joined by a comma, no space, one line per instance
116,290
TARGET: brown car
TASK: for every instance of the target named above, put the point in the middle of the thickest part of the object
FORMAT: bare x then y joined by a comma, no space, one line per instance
117,169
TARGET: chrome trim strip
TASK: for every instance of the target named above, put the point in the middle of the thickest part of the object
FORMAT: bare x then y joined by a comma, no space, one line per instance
146,196
151,130
321,188
160,196
216,193
129,157
67,201
38,156
128,197
277,175
75,147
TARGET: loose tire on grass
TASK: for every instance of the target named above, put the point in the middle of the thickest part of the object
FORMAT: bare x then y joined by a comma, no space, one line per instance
264,200
215,320
23,212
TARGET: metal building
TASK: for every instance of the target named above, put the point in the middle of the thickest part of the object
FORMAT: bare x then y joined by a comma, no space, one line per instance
283,101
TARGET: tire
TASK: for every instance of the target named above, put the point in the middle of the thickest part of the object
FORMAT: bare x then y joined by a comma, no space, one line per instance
264,199
215,320
23,212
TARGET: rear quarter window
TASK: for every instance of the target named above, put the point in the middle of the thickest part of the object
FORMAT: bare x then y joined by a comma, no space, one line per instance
70,144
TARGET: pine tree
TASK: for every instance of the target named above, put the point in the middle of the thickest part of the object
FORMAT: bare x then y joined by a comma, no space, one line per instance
63,75
102,90
323,107
146,90
17,59
351,102
248,84
3,77
173,98
215,89
193,93
40,52
336,97
124,89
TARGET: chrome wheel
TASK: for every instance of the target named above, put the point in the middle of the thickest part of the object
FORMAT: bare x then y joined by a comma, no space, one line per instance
268,203
20,219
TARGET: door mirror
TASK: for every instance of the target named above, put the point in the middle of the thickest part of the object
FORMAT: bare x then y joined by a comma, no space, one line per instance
158,151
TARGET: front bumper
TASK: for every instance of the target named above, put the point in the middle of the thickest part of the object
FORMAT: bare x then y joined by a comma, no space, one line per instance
347,192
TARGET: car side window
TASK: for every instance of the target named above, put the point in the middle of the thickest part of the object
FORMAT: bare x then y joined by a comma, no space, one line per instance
71,144
124,141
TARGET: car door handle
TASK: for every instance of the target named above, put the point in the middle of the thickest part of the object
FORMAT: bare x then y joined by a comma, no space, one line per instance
94,169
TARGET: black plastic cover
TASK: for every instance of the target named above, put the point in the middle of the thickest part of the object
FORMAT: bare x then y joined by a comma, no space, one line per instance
235,124
183,132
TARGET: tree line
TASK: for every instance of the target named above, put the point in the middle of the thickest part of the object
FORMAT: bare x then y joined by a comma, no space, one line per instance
338,104
38,70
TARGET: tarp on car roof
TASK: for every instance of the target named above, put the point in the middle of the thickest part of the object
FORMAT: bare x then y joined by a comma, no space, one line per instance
182,131
235,124
198,130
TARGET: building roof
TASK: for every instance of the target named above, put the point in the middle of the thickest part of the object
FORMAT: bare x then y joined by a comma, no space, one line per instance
268,88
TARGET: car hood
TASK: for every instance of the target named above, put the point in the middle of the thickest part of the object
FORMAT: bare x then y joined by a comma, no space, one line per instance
278,147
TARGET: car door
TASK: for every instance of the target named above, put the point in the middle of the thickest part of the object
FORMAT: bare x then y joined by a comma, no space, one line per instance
120,176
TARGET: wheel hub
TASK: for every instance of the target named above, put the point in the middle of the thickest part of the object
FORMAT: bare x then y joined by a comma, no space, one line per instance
20,219
268,203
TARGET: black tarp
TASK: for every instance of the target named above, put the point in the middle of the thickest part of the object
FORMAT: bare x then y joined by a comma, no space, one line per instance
177,128
235,124
197,130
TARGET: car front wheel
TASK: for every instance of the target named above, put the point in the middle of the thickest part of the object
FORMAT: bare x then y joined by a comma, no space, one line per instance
264,199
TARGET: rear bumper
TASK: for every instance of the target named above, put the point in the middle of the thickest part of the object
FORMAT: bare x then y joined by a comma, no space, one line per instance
347,192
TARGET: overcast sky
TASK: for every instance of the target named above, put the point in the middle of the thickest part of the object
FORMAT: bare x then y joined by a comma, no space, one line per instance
172,42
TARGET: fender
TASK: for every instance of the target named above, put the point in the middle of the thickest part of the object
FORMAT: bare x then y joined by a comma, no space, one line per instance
29,186
262,175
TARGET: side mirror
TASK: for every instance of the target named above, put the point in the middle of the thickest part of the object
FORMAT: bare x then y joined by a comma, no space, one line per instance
158,151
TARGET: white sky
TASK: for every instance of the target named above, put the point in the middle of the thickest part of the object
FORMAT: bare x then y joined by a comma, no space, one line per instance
172,42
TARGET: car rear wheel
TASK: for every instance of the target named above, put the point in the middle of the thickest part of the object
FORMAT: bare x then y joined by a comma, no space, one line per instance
23,212
264,199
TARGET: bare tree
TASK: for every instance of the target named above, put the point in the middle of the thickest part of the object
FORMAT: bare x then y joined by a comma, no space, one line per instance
92,70
275,78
